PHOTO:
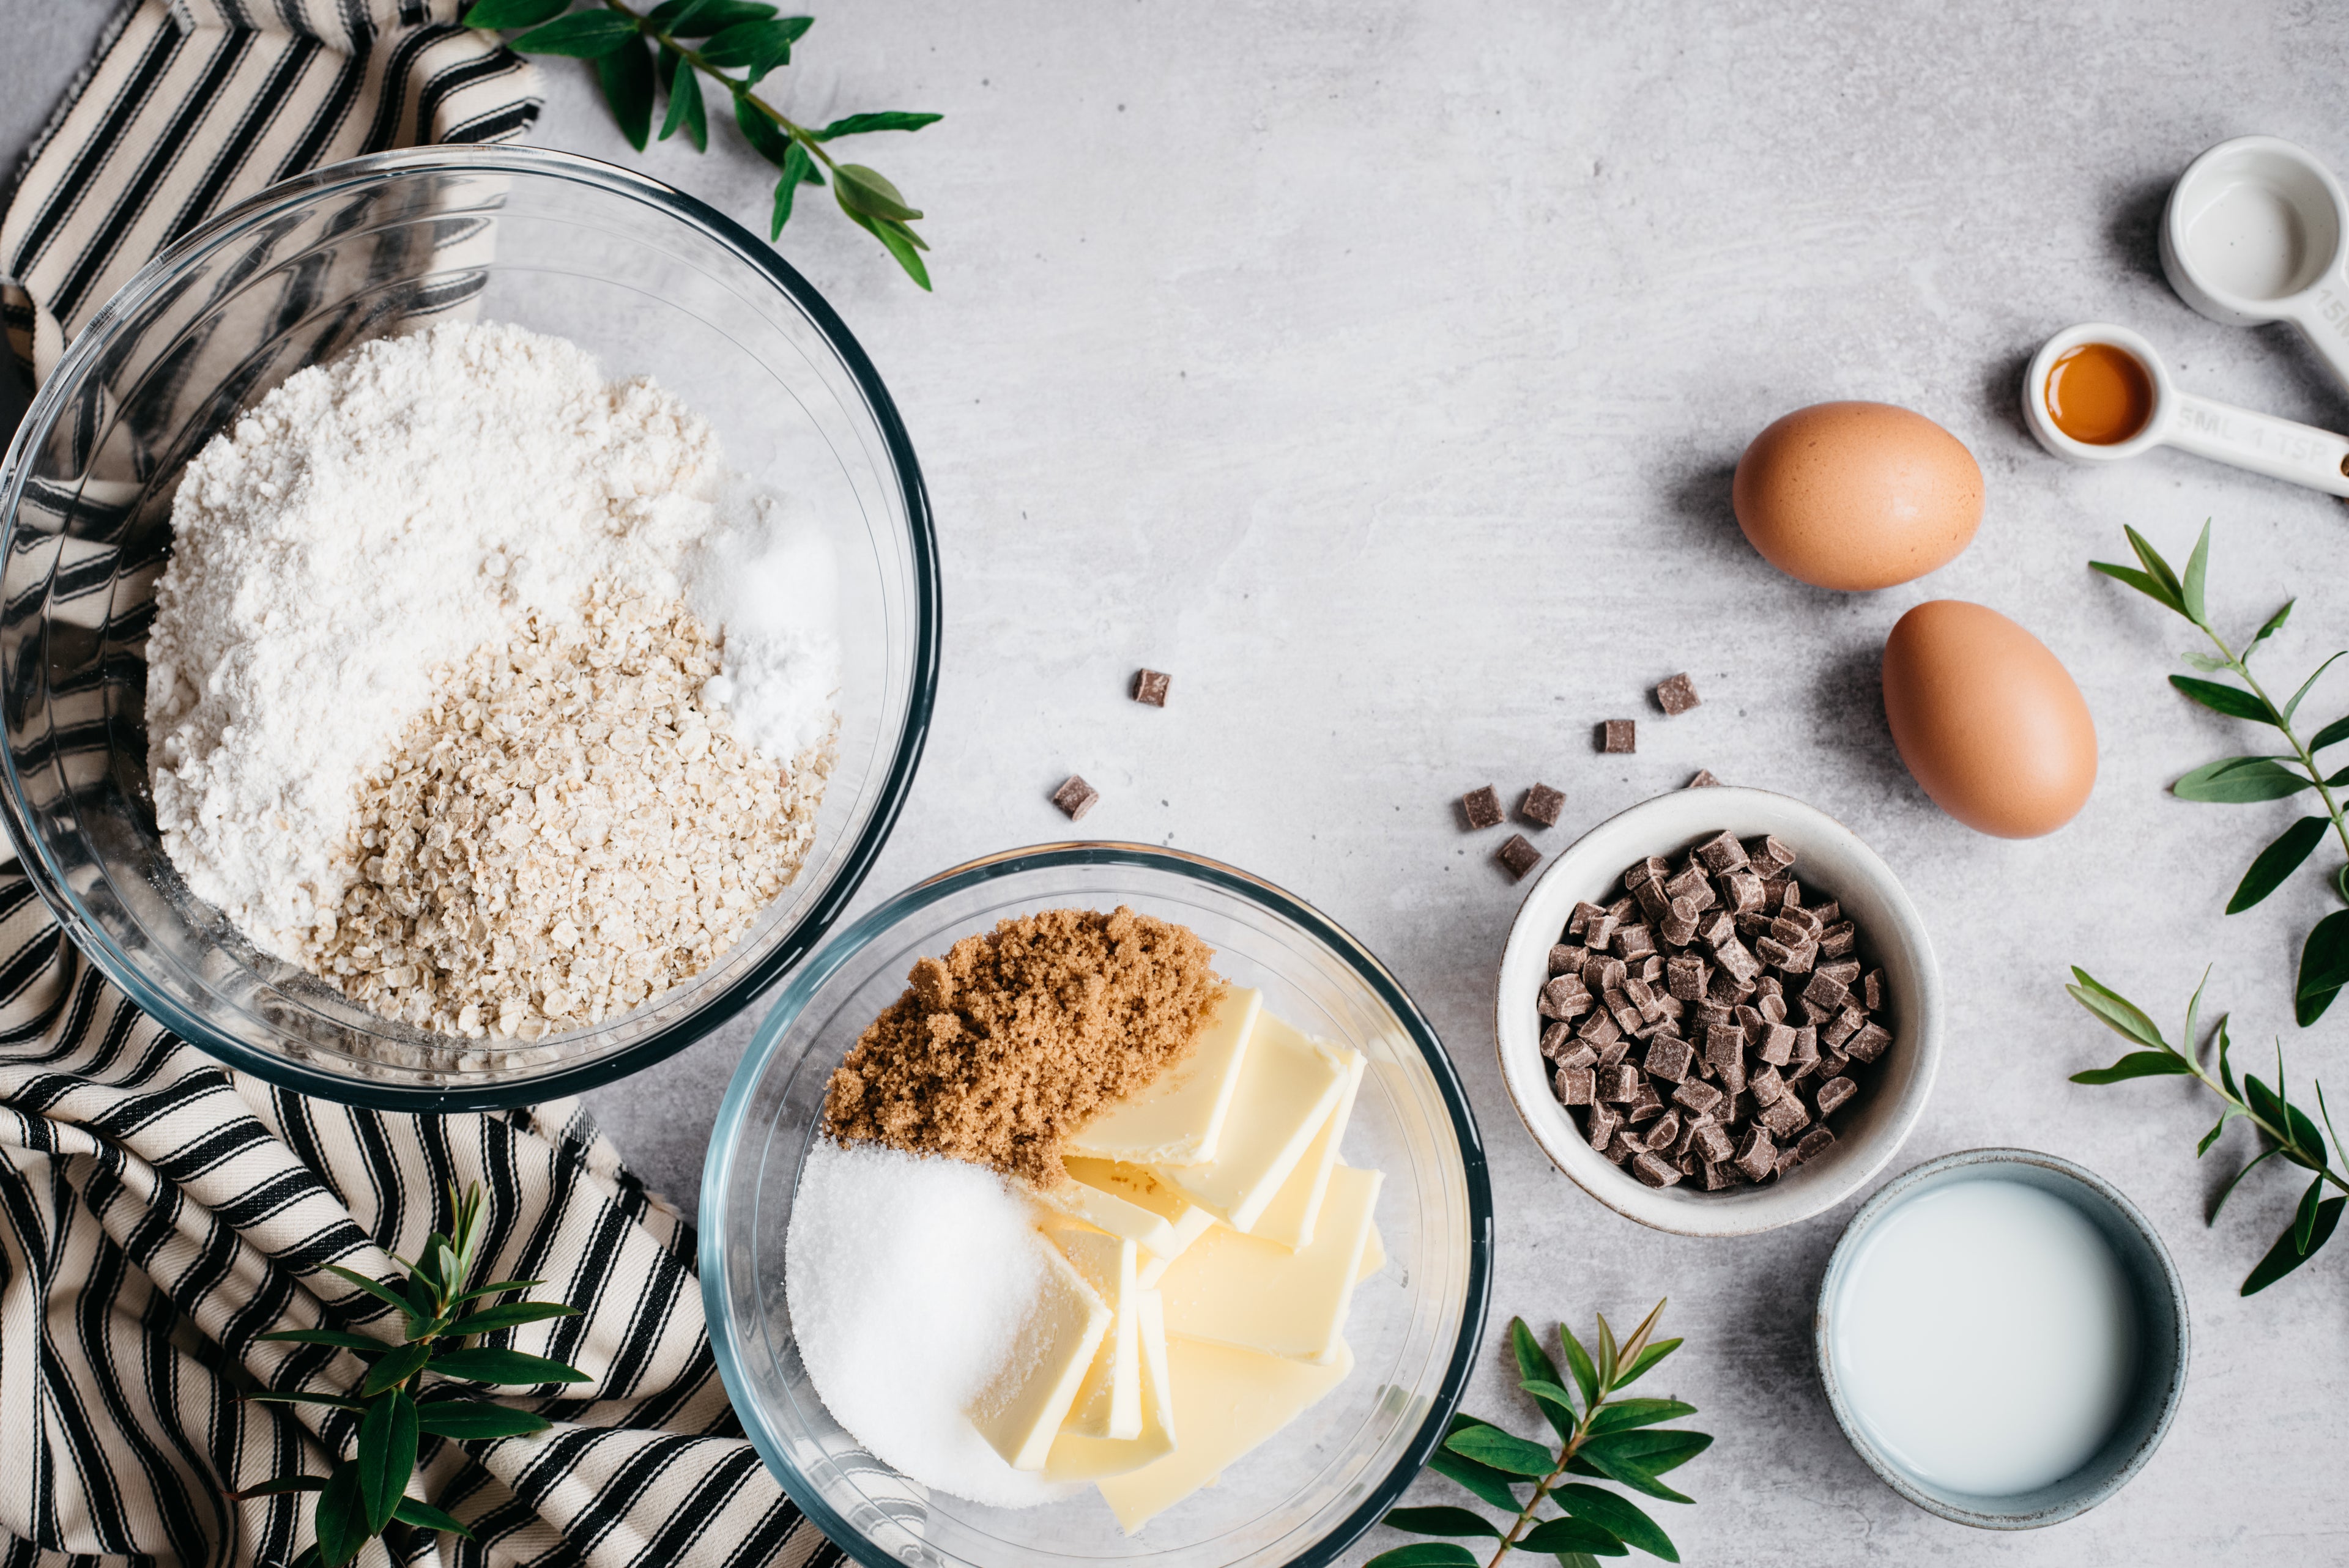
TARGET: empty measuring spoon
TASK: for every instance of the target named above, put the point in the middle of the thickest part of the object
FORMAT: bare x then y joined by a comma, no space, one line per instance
2257,230
2099,393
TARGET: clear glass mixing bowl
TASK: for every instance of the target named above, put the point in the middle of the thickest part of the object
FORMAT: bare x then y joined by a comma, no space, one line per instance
644,277
1305,1495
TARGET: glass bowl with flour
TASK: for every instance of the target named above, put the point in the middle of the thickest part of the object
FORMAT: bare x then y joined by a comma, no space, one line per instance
473,622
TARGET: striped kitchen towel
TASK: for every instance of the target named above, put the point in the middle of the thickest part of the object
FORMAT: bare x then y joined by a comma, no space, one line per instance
159,1213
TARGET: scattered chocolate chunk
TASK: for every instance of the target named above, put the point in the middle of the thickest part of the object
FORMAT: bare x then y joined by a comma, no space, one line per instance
1618,734
1620,1085
1150,687
1075,798
1766,1087
1664,1132
1703,780
1670,1059
1482,808
1543,805
1654,1172
1868,1042
1518,855
1624,1149
1647,1107
1557,1038
1769,856
1787,1159
1565,997
1719,1175
1777,1046
1567,959
1611,1054
1702,1098
1825,990
1712,1143
1577,1054
1719,853
1573,1086
1815,1140
1837,940
1783,1116
1833,1094
1871,991
1847,1022
1757,1157
1601,1127
1677,694
1598,1028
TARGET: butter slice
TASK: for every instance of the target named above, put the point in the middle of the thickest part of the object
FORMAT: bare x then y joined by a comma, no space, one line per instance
1289,1085
1254,1294
1109,1401
1075,1457
1374,1255
1196,1224
1128,1201
1227,1402
1020,1409
1178,1117
1288,1218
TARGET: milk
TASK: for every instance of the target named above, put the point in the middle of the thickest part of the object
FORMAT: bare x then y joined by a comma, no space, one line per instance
1985,1338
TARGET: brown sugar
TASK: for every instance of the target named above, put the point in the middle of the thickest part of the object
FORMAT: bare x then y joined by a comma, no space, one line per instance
1017,1038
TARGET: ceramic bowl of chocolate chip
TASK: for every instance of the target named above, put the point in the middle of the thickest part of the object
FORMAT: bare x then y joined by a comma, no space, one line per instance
1719,1012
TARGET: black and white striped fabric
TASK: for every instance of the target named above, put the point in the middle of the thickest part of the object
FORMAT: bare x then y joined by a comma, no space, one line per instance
159,1213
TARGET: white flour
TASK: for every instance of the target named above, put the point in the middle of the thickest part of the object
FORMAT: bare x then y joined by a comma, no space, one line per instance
391,511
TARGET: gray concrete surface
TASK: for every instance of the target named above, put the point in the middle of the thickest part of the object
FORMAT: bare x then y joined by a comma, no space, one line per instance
1378,368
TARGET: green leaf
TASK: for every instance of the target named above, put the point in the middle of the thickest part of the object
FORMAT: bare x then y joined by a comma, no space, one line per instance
2156,566
2278,861
489,1364
309,1557
386,1456
341,1517
797,166
1578,1360
2239,780
2135,1065
2294,705
2274,625
2137,580
2333,734
1502,1451
2197,572
1555,1535
866,190
1617,1515
1539,1376
1425,1554
1440,1521
2226,1068
381,1291
358,1341
699,18
2324,967
496,13
1654,1353
1627,1475
397,1367
584,35
1555,1402
2227,1190
2232,701
469,1420
898,239
497,1288
771,141
1622,1414
513,1314
2208,664
686,109
1493,1486
2211,1136
296,1397
2120,1015
1609,1351
1654,1452
2288,1254
758,46
424,1516
2303,1219
887,120
626,74
282,1485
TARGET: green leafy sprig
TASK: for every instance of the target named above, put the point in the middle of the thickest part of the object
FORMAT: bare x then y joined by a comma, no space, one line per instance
665,52
2324,955
365,1496
1599,1435
2284,1129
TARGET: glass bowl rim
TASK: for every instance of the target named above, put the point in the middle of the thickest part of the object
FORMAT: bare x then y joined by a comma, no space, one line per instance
791,999
896,782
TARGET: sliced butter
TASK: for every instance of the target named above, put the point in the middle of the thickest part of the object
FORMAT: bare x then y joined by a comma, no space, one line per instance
1178,1119
1288,1218
1289,1085
1128,1201
1197,1222
1374,1255
1020,1409
1227,1402
1075,1457
1254,1294
1109,1401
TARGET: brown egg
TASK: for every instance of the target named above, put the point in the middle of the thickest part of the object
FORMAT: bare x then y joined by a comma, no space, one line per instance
1988,721
1856,495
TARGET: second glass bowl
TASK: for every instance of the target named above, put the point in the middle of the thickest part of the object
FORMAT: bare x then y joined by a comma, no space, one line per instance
1413,1327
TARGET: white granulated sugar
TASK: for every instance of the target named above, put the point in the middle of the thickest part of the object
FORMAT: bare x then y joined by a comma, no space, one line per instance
908,1279
768,576
375,520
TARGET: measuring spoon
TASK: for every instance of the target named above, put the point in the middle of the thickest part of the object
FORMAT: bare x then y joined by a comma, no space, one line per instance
2157,414
2257,230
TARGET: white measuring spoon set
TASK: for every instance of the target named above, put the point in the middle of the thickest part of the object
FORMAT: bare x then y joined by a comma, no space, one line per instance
2257,230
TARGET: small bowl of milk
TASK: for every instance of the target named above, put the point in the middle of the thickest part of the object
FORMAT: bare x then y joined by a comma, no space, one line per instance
2002,1338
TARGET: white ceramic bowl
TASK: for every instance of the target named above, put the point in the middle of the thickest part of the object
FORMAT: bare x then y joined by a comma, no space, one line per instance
1832,859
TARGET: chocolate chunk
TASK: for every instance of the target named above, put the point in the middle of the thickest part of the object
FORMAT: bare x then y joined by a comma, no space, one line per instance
1703,780
1738,963
1700,1098
1871,990
1605,1120
1677,694
1766,1087
1714,929
1758,1157
1654,902
1719,1176
1598,1028
1613,1052
1573,1086
1620,1085
1625,1148
1075,798
1670,1057
1814,1141
1783,1116
1640,872
1847,1023
1627,1016
1770,999
1618,734
1150,687
1712,1143
1832,1064
1565,997
1578,922
1482,808
1566,958
1796,926
1603,974
1836,941
1787,1159
1791,895
1518,855
1868,1042
1769,856
1845,970
1684,977
1557,1038
1741,891
1664,1132
1601,932
1829,911
1647,1107
1777,1046
1726,988
1654,1172
1678,924
1542,805
1577,1054
1832,1095
1651,1010
1634,941
1825,990
1722,852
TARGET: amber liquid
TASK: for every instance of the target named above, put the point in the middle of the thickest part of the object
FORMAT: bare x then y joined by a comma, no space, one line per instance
2099,394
